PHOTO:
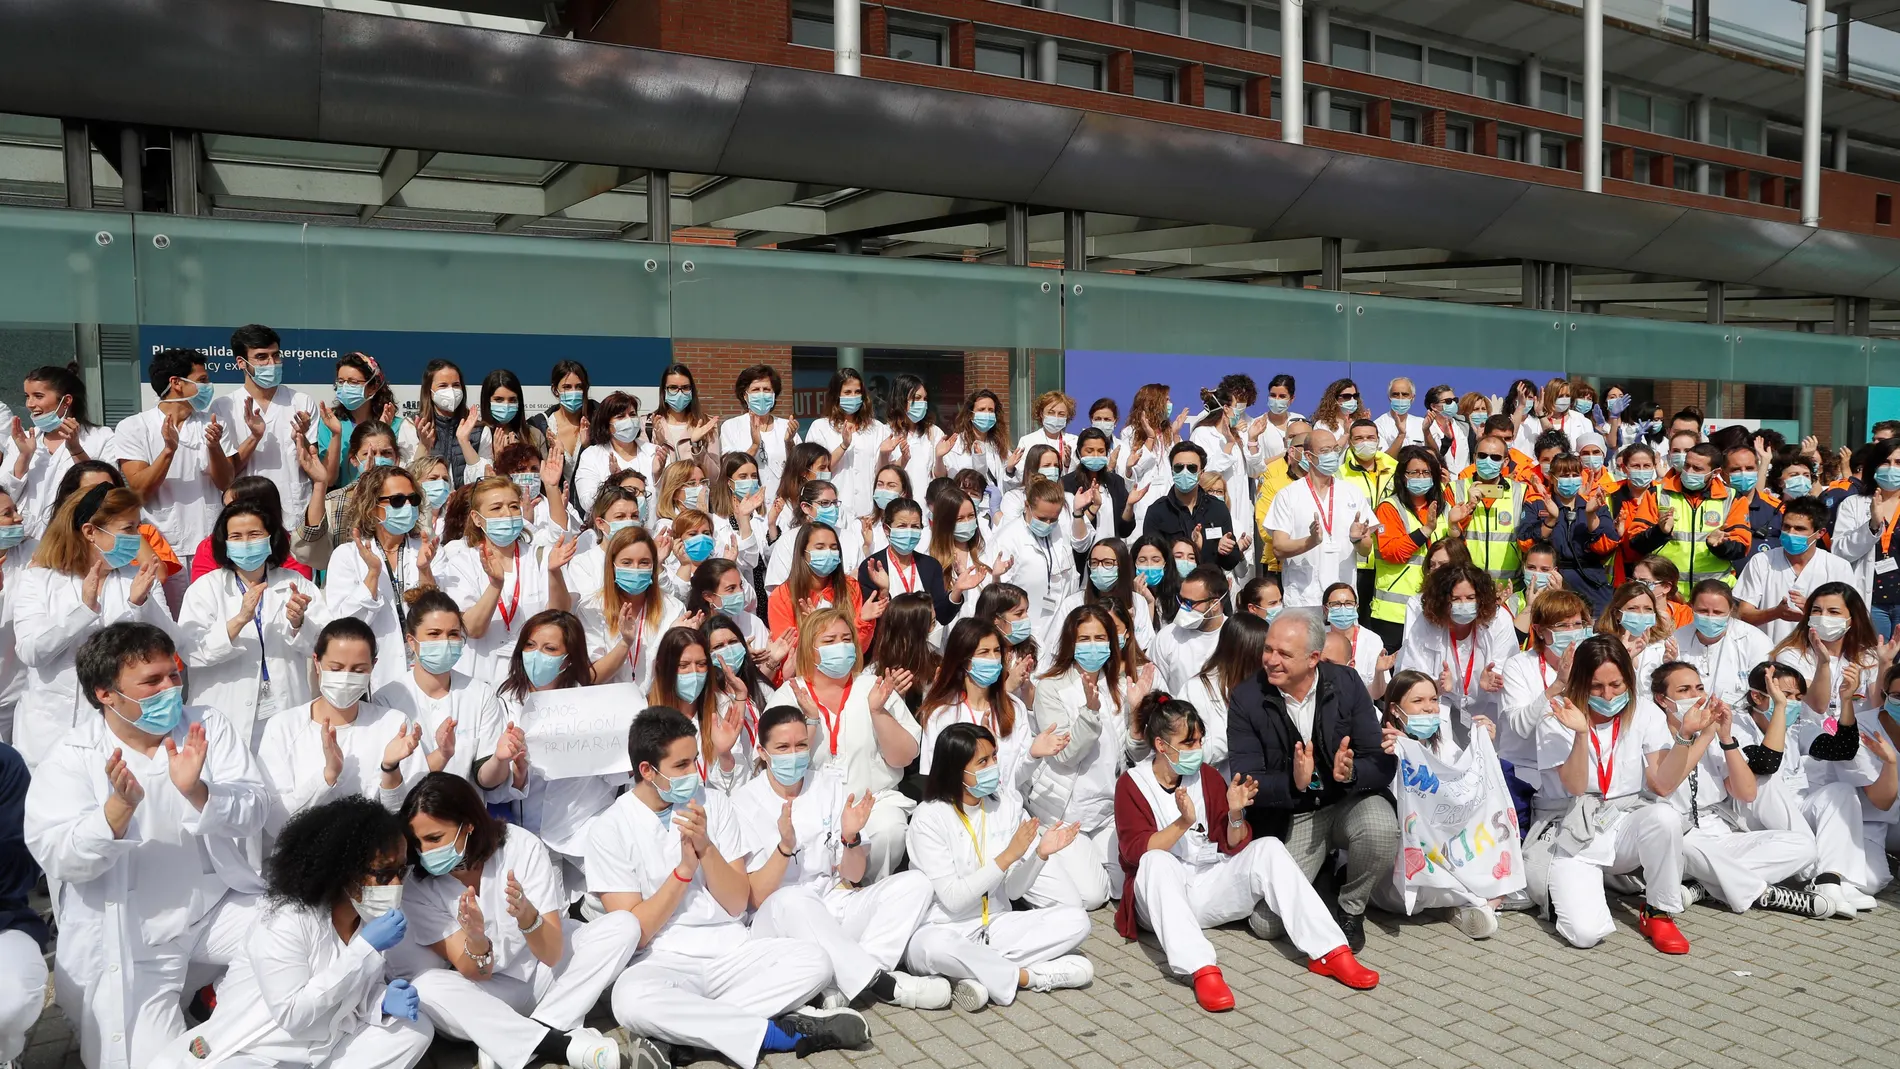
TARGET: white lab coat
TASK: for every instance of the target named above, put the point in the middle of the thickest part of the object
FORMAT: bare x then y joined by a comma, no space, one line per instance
601,635
1428,648
50,621
853,474
1043,567
291,755
1725,663
275,457
346,595
225,672
735,436
524,592
857,753
33,492
473,706
12,670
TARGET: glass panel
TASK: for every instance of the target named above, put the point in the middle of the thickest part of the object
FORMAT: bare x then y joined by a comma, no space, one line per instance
1081,73
1449,70
1552,93
810,30
1553,153
1131,314
221,273
1744,133
1223,97
1671,117
1400,59
1352,48
1576,97
1162,15
1154,85
1632,109
1218,21
824,299
1458,138
1637,348
1347,119
1789,357
1497,80
916,46
1395,330
1088,9
999,59
53,268
1404,128
1510,147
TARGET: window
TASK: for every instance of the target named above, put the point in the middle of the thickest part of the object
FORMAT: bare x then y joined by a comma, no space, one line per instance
1162,15
1632,109
1449,70
917,46
1552,93
1223,96
1400,59
1266,30
1088,9
1553,153
1405,128
1007,60
1497,80
1883,209
1217,21
1154,85
1347,118
1685,175
1458,138
1352,49
811,29
1510,146
1079,72
1672,117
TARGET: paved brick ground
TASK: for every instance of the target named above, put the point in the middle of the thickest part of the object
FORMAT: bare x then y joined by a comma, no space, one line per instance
1759,990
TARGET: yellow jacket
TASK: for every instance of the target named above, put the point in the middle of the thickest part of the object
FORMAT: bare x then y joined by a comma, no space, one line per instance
1275,479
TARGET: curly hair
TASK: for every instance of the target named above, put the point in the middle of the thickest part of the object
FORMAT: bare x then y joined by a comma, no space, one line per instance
325,852
1434,602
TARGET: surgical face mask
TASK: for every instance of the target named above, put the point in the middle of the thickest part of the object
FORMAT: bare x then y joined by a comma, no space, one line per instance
1342,617
837,659
1365,450
1478,416
447,399
917,410
882,497
377,900
504,411
1887,477
851,403
823,561
1695,480
761,404
245,556
626,430
985,671
443,859
1273,612
1185,481
1235,416
732,655
906,539
697,546
633,580
12,535
614,527
1449,409
1151,574
744,488
1418,485
49,422
732,604
541,668
388,462
1593,461
1710,626
1091,655
1536,580
826,514
1583,405
350,394
1051,473
1326,463
1052,425
1560,405
1796,486
1892,706
1279,405
789,768
1569,485
440,656
399,519
159,713
1095,463
1103,576
206,394
1609,706
691,685
1189,619
1562,639
1185,567
1019,631
1795,544
983,421
1488,467
1640,478
572,400
342,689
1349,405
1828,627
1463,612
987,780
267,376
1743,481
1637,623
1400,405
1186,762
1106,426
435,491
693,497
1677,460
1617,404
964,530
502,530
125,547
679,400
681,789
1421,725
1039,528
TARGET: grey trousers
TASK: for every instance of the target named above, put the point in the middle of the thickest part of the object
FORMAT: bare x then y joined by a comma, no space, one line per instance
1365,827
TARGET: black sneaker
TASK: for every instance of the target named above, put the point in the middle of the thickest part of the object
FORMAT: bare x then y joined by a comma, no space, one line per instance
1799,903
816,1029
1354,925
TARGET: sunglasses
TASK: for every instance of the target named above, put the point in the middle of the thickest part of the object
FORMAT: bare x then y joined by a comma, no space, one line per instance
386,876
1490,456
1187,467
396,501
1349,397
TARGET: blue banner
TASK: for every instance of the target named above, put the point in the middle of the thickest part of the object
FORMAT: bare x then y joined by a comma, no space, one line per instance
310,355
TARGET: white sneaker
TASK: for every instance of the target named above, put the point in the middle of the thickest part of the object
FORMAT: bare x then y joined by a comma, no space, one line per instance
1860,900
832,999
1834,895
1478,922
969,995
1692,892
482,1061
922,992
1070,970
589,1048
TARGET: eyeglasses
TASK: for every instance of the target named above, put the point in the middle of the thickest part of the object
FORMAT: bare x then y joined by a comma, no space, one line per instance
395,501
1195,468
385,876
1349,397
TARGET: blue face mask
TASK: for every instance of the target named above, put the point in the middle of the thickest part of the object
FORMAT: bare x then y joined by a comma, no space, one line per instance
502,530
789,768
1561,640
987,780
438,657
350,394
1104,576
1582,406
1418,486
1349,405
1279,405
1569,485
504,411
824,561
1095,463
1463,612
1887,477
693,497
1592,462
1640,478
883,496
744,488
1892,705
1326,463
1091,656
965,530
1400,405
1186,480
1151,574
399,519
1019,631
572,400
681,789
732,605
906,539
390,462
1694,480
245,556
1710,626
49,422
12,535
1342,617
267,376
1488,467
851,403
158,714
633,580
541,668
1794,545
679,400
1039,528
1273,612
443,859
1609,706
614,527
732,655
125,547
986,671
1796,486
1744,481
435,491
760,404
837,659
1637,623
917,410
1449,409
983,421
1184,568
698,547
826,514
691,685
1421,725
1186,762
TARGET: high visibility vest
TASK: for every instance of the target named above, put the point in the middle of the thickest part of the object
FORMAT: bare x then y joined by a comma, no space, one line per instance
1687,547
1374,484
1491,534
1395,584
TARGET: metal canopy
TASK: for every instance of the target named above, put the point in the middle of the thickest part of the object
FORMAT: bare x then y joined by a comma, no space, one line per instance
1882,13
451,91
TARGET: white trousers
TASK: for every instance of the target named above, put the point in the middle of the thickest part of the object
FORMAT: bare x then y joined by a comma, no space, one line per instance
393,1044
1017,939
883,835
22,990
723,1001
1878,837
1737,866
506,1016
1649,838
862,932
1830,815
1083,874
154,1009
1178,902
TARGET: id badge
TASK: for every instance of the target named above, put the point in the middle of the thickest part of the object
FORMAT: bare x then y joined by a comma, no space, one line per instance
1885,565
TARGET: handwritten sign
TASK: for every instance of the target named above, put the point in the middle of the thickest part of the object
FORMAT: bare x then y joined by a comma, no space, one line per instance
581,731
1458,829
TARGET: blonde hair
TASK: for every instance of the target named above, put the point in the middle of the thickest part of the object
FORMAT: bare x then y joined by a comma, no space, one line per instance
813,625
610,595
474,532
672,478
64,547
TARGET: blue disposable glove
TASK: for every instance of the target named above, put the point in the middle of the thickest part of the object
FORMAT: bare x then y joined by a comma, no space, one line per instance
385,931
401,1000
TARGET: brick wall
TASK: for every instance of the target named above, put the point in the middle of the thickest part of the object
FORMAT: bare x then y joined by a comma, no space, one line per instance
716,366
988,369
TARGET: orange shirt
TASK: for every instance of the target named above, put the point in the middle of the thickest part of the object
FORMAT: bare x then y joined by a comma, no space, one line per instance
782,616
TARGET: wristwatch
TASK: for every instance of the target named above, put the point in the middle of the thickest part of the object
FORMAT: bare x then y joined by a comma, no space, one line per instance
1730,745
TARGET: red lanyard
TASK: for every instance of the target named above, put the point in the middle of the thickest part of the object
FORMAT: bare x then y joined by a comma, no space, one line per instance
514,604
1606,770
1886,537
1469,661
1325,517
831,718
898,569
751,721
1544,671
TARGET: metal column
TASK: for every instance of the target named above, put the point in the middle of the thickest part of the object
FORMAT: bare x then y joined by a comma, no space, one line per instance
849,356
77,144
1593,95
1804,410
1843,20
1016,234
1046,57
1716,305
1322,27
1075,241
132,168
1533,97
1840,148
1292,72
187,161
1332,273
1531,288
659,206
844,37
1811,117
1704,115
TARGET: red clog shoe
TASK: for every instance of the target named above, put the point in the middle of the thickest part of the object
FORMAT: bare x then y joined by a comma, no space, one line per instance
1211,990
1661,931
1342,966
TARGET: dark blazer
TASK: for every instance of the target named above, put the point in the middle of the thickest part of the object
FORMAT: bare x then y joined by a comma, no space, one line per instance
1260,739
1169,518
929,580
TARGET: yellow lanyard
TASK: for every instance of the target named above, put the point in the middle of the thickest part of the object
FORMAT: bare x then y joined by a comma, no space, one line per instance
978,843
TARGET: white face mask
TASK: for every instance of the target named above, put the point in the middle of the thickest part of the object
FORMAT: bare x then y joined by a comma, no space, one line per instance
448,398
1828,627
1189,618
343,689
378,900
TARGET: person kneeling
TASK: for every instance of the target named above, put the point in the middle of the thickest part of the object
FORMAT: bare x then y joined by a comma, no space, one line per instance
1178,880
807,874
522,975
